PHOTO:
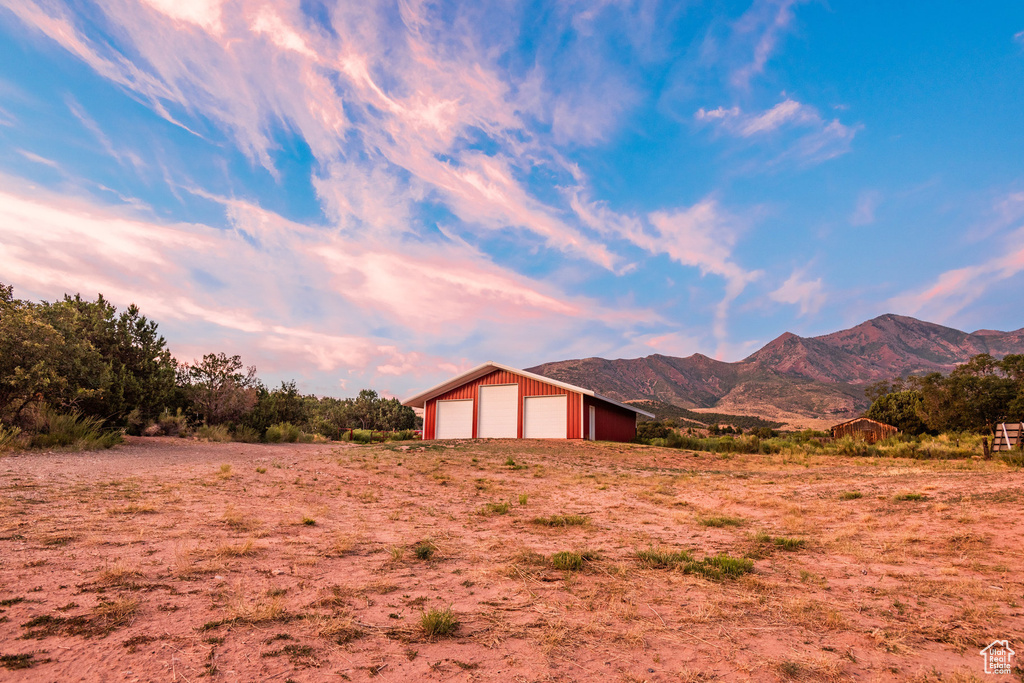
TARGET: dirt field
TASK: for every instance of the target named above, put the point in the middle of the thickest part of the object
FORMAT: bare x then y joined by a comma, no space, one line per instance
171,560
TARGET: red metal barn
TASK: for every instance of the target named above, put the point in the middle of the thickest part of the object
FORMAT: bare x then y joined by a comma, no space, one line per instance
494,401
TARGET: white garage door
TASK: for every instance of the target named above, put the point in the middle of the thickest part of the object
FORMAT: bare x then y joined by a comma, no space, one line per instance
544,417
499,411
454,419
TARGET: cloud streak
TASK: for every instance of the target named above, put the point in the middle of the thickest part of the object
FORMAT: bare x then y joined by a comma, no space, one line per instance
286,295
813,139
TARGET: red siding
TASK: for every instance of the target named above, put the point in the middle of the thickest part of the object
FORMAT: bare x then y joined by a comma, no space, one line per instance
612,423
527,387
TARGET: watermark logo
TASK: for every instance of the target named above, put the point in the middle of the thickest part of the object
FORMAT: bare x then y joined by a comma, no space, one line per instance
997,657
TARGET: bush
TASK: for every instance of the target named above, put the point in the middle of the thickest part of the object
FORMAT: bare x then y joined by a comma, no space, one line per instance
245,434
439,622
645,431
135,423
365,436
73,430
403,435
8,437
1013,458
283,432
173,425
215,433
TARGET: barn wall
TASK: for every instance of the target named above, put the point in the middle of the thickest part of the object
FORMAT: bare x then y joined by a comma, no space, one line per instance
612,423
864,429
527,387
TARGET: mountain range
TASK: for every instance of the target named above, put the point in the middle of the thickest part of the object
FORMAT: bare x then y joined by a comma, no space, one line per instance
801,380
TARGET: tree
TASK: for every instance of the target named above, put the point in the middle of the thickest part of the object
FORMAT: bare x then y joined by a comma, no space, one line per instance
899,409
283,404
366,408
218,388
140,371
44,357
393,416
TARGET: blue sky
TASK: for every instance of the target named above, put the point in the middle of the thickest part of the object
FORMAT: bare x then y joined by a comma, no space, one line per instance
381,196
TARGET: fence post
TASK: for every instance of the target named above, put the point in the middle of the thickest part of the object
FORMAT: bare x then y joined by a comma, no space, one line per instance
984,447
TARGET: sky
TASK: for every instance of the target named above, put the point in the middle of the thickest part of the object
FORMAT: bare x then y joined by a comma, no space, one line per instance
382,194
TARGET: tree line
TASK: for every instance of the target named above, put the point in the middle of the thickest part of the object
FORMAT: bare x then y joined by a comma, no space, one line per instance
85,358
974,397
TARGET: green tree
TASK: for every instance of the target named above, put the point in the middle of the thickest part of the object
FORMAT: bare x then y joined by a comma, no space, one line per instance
45,358
366,409
140,371
219,387
393,416
899,409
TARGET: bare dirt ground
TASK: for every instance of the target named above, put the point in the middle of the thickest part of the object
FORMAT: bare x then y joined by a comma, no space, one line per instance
172,560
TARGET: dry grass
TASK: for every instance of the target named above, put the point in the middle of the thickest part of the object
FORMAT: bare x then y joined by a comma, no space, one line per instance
626,563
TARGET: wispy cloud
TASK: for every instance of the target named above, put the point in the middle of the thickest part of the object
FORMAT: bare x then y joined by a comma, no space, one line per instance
701,236
288,296
816,139
371,99
955,290
35,158
867,204
797,290
122,157
763,25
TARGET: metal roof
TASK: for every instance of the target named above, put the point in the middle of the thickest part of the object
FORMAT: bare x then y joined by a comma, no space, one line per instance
420,399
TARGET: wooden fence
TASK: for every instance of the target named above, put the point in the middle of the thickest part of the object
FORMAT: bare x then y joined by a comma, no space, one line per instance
1008,436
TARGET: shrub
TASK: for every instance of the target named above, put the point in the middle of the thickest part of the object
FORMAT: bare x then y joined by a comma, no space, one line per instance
439,622
850,495
215,433
403,435
8,437
74,430
246,434
424,550
282,432
135,423
1014,458
362,436
173,425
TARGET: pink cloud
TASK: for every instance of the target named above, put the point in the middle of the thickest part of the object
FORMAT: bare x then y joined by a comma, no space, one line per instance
823,139
808,294
765,22
427,296
867,204
701,236
253,66
954,290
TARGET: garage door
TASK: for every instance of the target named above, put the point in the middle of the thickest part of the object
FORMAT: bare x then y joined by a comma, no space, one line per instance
544,417
499,411
454,419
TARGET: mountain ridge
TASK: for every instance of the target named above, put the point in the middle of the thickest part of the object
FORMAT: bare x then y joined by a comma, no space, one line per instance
791,377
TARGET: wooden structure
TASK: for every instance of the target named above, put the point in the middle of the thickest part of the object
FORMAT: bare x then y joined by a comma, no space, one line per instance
865,429
1008,436
494,401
